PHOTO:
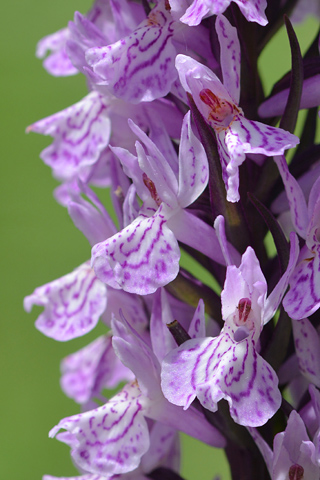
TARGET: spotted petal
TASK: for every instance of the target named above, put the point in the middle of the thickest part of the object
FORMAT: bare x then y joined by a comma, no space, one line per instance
110,439
230,56
132,76
303,298
193,165
307,345
80,134
139,259
73,304
217,368
247,136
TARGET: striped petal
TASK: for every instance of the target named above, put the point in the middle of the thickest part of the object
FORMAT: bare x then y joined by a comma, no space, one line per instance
141,257
73,304
132,76
110,439
80,134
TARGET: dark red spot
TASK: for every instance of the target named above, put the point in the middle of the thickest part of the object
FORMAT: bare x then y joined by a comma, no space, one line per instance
296,472
244,308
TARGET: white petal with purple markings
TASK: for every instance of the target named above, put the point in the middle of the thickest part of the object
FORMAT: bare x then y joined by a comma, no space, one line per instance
307,344
193,165
142,257
73,304
230,57
216,368
246,136
303,298
80,134
129,75
110,439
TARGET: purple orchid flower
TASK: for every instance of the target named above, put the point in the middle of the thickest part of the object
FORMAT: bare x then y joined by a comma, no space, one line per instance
192,14
82,133
120,69
294,456
112,439
136,78
229,366
218,103
145,254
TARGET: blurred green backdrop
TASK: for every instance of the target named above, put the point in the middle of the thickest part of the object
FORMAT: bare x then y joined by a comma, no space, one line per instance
39,243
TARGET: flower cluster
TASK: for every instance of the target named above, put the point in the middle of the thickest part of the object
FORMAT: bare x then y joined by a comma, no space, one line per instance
177,130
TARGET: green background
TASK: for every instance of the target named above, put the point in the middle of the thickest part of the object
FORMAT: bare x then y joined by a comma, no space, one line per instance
39,243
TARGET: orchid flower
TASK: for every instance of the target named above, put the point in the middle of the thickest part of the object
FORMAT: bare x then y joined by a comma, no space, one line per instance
219,104
112,439
229,366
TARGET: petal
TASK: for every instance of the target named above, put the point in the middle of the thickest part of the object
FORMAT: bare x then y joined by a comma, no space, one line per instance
161,339
141,258
132,76
57,63
132,307
94,367
164,448
134,352
303,298
194,77
307,345
230,56
297,202
216,368
80,134
273,301
247,281
91,218
199,9
247,136
193,165
73,304
180,375
197,327
253,10
110,439
238,374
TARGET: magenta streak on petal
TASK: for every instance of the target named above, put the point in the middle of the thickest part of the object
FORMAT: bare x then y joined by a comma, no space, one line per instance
122,434
223,338
74,312
123,80
148,252
248,134
79,126
198,361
